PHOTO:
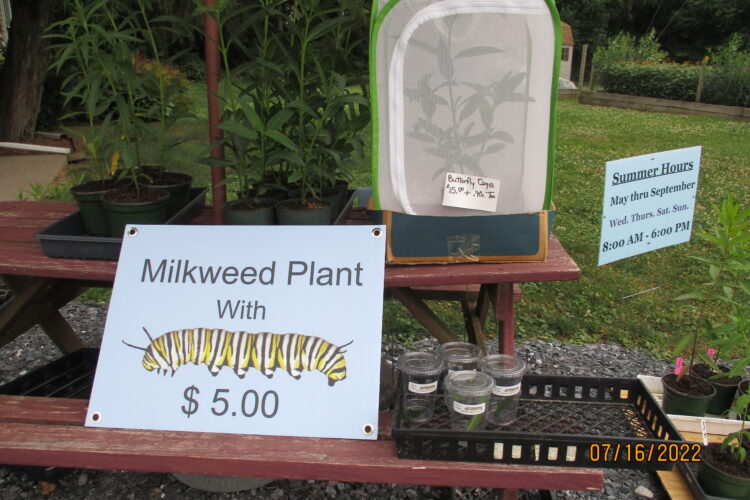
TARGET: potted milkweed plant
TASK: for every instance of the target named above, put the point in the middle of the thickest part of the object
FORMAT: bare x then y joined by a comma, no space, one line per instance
291,121
330,114
252,115
687,393
160,98
114,84
80,47
725,469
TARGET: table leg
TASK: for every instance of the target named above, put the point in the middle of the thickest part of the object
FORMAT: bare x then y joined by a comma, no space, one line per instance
475,317
506,494
37,301
502,299
423,314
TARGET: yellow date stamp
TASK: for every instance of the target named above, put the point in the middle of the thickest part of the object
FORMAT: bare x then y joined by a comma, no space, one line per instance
645,452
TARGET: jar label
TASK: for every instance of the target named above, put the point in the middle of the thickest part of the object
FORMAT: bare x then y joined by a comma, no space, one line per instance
423,388
506,390
463,409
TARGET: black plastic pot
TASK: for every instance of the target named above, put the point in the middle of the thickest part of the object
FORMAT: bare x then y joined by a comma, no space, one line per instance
719,483
725,391
178,186
263,214
677,402
289,212
145,211
89,199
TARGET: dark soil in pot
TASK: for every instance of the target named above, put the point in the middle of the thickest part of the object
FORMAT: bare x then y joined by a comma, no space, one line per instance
705,372
725,462
688,385
132,196
93,187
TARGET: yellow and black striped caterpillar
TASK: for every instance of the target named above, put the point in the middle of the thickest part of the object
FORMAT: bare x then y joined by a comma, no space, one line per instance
240,351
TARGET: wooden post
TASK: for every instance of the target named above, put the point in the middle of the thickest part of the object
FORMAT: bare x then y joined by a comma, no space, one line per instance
215,134
582,69
699,90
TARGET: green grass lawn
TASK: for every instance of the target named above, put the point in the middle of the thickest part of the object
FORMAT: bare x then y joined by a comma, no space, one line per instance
594,308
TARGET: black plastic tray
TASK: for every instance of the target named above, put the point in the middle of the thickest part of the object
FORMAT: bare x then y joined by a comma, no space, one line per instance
66,238
559,419
71,376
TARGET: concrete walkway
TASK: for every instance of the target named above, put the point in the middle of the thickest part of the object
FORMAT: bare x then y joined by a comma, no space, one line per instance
18,172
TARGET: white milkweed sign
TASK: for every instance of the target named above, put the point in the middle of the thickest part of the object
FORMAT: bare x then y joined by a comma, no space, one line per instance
242,329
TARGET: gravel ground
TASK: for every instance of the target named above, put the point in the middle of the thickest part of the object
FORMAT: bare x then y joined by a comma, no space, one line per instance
34,349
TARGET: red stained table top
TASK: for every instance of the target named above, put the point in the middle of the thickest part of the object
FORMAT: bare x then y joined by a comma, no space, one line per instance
21,254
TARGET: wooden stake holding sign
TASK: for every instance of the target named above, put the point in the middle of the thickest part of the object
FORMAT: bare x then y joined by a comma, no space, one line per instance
258,336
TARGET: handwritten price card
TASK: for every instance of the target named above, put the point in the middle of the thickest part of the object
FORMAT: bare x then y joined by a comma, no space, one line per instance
468,191
242,329
648,203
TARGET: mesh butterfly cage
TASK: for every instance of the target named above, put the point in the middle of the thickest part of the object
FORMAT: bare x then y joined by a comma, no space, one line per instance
463,87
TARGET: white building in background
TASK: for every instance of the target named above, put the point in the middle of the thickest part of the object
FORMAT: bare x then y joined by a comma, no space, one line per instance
4,20
566,60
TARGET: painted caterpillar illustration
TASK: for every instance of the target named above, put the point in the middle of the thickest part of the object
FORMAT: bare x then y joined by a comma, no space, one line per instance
240,351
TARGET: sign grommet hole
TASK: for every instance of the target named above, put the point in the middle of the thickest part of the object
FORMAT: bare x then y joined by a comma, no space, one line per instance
133,231
368,429
377,232
96,416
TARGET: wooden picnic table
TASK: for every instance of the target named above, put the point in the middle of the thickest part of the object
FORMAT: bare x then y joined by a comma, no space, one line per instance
42,285
50,431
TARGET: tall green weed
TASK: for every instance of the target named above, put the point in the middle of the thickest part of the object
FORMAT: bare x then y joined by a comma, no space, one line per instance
624,47
729,82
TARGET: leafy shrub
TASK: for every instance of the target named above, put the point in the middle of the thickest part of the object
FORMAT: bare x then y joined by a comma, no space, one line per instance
147,95
193,68
624,47
729,81
636,67
665,81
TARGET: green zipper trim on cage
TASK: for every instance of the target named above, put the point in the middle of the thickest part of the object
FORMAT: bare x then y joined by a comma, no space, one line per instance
552,144
380,17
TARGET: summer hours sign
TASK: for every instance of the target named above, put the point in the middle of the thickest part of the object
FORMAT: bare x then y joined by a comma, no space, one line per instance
254,330
648,203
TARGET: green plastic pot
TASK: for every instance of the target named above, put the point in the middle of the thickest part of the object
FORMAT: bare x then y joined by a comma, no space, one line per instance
178,186
720,484
288,213
676,402
150,211
264,215
89,199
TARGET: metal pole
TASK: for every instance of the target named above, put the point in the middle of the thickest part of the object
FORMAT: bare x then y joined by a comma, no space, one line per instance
215,134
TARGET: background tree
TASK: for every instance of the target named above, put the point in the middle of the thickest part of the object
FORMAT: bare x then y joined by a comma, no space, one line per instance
23,72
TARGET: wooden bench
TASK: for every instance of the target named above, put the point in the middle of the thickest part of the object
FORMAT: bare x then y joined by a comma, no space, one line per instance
50,432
